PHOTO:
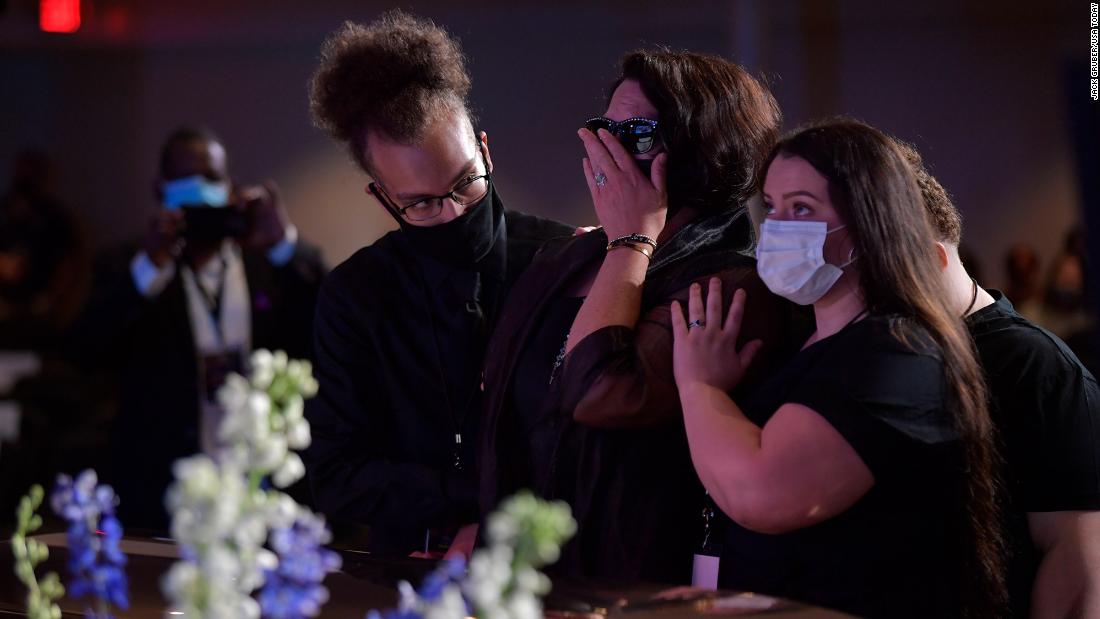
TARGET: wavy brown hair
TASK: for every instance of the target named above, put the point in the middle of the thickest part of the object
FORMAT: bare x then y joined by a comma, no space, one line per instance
717,122
875,191
392,76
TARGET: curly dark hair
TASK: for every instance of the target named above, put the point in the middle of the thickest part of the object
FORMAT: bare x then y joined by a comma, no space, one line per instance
942,214
716,120
391,76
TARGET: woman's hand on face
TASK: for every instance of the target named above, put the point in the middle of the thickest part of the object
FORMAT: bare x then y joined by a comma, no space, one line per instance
626,202
704,350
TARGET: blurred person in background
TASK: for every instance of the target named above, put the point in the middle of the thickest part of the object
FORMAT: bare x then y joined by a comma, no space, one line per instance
221,272
1024,282
402,324
49,412
1067,311
43,270
1046,409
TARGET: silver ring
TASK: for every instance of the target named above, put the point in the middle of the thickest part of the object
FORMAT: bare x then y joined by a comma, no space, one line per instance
697,323
600,178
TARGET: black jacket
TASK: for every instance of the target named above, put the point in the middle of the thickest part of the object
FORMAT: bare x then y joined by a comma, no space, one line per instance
399,345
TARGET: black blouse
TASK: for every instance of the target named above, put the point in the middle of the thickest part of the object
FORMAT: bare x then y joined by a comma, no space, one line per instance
620,457
896,551
537,421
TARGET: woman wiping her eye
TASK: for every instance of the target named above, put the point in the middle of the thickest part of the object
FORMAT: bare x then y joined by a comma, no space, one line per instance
860,476
581,401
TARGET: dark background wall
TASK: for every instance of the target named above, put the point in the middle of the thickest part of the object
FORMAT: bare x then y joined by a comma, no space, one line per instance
980,87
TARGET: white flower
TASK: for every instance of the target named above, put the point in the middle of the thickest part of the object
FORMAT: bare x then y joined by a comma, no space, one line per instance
490,572
408,599
450,605
233,391
205,501
254,561
298,434
221,564
280,510
523,605
263,370
285,511
220,517
180,582
228,604
251,530
503,528
532,580
291,470
270,453
548,552
279,361
301,372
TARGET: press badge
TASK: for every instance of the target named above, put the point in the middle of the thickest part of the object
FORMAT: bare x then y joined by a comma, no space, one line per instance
704,572
704,569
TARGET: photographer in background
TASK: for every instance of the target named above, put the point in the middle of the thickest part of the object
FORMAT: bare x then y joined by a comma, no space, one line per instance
221,272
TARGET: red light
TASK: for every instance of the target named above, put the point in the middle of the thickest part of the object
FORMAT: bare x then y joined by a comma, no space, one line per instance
59,15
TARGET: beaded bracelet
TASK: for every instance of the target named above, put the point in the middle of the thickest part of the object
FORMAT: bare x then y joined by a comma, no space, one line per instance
633,238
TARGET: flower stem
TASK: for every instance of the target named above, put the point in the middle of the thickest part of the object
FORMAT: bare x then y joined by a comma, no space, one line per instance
255,478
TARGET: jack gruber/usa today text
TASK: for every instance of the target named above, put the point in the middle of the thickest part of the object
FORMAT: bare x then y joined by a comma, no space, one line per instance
1094,71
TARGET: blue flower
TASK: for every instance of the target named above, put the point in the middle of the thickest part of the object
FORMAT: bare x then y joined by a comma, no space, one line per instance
95,561
293,590
450,571
393,613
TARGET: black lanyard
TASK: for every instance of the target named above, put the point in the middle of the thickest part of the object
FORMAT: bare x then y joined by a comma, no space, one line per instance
456,417
973,298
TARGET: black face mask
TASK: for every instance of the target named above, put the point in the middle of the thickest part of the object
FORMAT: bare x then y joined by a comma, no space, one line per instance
464,240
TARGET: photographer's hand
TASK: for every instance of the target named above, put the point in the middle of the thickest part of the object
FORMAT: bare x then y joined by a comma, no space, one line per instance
268,221
163,242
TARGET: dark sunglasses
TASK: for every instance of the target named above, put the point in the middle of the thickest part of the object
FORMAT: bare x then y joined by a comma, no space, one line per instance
637,135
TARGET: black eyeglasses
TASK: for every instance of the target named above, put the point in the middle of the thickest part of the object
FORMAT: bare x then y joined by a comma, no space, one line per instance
469,190
637,135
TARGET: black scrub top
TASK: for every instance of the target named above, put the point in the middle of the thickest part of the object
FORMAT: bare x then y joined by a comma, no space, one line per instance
895,551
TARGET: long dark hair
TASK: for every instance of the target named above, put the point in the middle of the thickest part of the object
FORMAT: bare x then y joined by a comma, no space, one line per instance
717,122
876,194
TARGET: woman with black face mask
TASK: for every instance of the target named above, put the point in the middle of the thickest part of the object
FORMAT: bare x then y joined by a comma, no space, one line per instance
581,401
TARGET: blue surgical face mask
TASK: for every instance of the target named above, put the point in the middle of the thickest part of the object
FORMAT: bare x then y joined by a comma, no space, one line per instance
204,204
194,191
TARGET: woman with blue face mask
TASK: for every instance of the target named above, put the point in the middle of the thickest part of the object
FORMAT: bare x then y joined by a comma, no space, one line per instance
859,476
